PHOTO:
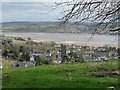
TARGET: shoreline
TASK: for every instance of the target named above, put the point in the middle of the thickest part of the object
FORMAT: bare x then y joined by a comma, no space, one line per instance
76,39
94,44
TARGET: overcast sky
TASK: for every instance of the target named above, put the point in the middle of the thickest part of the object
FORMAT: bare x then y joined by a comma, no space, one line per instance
29,11
34,0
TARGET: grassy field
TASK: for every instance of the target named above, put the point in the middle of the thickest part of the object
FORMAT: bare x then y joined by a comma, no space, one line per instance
76,75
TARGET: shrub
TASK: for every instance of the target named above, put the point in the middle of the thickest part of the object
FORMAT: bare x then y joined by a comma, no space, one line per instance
46,62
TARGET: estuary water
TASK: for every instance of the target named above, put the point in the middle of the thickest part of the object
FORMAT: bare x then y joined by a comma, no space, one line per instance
81,39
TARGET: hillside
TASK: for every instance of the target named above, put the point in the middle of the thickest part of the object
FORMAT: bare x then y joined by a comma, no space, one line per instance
101,74
38,27
55,27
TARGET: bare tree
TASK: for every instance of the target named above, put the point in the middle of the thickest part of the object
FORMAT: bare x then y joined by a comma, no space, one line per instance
105,13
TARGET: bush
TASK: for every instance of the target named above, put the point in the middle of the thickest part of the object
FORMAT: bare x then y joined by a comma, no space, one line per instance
25,57
46,62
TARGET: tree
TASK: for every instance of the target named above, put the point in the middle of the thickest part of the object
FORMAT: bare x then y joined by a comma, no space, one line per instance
53,57
106,13
64,59
25,57
38,60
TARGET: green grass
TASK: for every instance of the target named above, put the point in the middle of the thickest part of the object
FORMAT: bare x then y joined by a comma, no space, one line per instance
76,75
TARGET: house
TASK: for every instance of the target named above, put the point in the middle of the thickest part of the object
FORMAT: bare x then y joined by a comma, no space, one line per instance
101,49
37,53
9,54
57,46
88,56
113,54
17,64
48,55
57,62
67,52
96,55
93,48
30,63
32,58
102,58
86,47
59,58
23,63
101,55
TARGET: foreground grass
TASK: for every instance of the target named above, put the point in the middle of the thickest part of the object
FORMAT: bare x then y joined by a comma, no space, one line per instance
77,75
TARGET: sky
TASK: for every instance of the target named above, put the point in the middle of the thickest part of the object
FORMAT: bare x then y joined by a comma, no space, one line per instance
30,10
34,0
12,10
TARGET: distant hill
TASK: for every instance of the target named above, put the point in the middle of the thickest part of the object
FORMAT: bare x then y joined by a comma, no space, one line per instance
54,27
50,27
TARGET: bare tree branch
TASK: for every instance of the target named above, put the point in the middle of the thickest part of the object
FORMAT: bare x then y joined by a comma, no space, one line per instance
104,12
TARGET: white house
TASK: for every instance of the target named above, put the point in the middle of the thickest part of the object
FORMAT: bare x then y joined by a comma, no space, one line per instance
32,58
102,58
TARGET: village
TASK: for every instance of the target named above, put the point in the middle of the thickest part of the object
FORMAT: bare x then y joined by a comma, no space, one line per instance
26,55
